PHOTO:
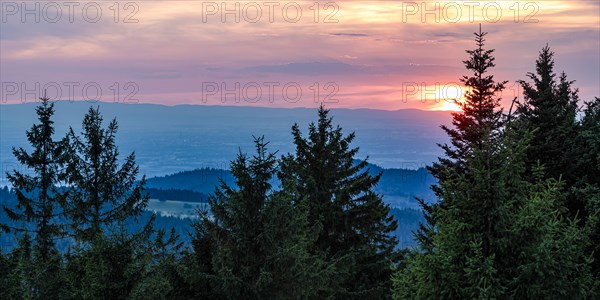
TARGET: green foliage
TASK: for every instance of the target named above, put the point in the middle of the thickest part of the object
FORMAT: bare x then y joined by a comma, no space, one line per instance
105,270
258,238
549,112
553,263
568,148
338,193
37,194
38,207
107,260
121,266
77,181
498,230
102,191
588,186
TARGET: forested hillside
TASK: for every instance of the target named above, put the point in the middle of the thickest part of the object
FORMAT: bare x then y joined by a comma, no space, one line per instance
394,183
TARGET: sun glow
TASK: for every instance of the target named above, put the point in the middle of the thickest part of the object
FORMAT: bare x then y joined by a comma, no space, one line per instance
446,105
446,97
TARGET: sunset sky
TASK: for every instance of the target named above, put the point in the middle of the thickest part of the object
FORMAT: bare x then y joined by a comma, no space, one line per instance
356,54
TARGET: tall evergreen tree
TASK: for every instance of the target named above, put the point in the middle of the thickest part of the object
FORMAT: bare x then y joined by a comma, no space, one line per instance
549,111
477,129
338,191
18,277
38,195
589,144
492,228
553,262
103,192
108,260
565,146
39,198
260,237
476,125
479,119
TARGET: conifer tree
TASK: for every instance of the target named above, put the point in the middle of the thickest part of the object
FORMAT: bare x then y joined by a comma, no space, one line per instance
479,119
474,126
589,143
38,195
549,112
17,269
260,237
565,146
553,262
338,191
103,192
39,198
111,258
493,230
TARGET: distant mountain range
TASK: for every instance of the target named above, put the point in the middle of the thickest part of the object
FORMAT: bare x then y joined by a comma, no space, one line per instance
170,139
399,187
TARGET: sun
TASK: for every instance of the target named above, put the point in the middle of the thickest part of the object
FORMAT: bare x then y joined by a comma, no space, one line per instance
446,105
446,97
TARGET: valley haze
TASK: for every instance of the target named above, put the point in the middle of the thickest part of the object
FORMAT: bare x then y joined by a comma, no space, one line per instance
170,139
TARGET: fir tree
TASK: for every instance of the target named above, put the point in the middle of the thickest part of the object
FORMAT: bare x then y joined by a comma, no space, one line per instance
17,271
338,191
549,113
552,262
39,198
259,237
110,259
565,146
493,230
479,119
103,192
38,195
475,126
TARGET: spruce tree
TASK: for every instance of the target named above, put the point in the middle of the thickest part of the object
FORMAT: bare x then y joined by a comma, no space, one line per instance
338,191
565,146
476,129
494,234
549,112
38,194
259,237
105,269
474,126
589,143
112,257
479,119
37,210
15,271
553,262
103,192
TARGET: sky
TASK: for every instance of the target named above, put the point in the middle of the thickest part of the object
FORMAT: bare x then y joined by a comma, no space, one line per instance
350,54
